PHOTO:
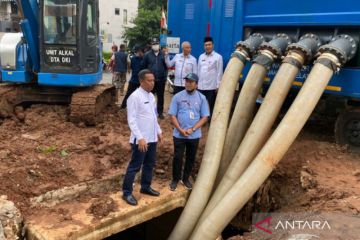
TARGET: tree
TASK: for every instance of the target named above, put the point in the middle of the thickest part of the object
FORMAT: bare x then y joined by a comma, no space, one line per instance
152,4
147,23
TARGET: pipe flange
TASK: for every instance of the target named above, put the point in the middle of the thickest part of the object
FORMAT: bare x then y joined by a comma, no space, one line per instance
272,48
277,45
251,44
308,44
283,36
297,47
241,55
342,46
352,41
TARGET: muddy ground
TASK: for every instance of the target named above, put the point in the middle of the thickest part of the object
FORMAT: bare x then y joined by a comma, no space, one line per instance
44,151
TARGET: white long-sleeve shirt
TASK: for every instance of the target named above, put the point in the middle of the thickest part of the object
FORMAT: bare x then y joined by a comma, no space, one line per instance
210,69
183,66
142,117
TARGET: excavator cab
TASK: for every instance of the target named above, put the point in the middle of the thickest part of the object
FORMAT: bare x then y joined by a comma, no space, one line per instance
69,43
56,58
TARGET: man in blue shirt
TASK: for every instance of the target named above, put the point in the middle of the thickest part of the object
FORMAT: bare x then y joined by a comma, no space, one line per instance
119,69
135,66
189,111
154,60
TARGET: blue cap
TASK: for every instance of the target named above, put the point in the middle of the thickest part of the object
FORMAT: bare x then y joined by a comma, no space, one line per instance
192,76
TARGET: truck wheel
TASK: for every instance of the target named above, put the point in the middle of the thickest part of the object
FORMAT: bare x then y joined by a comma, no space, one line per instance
347,129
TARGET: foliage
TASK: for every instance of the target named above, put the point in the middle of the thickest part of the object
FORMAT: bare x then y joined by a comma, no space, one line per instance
147,23
152,4
46,149
63,153
107,56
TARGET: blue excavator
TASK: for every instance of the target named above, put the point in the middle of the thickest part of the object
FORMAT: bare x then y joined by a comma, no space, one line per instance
57,58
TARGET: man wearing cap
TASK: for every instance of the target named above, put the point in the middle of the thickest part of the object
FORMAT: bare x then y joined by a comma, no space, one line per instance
189,111
155,61
184,64
210,70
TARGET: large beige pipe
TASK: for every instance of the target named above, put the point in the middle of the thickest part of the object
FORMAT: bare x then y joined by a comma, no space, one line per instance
212,153
242,115
270,154
244,110
259,130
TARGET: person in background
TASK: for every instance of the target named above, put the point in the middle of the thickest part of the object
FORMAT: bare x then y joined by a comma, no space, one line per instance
184,64
154,60
119,69
210,70
114,49
134,66
145,133
189,111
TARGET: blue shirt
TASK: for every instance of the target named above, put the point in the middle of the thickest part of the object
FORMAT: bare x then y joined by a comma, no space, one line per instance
189,109
135,68
120,62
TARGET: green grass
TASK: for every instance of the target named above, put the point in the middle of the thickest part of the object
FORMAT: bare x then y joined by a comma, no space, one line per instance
107,56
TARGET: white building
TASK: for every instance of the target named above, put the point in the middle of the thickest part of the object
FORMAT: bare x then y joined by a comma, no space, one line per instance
9,18
114,16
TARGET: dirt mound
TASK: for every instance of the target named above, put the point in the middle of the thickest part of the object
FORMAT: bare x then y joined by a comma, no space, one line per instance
102,207
46,152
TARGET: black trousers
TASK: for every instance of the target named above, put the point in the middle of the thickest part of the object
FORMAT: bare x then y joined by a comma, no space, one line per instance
146,161
159,89
131,88
210,97
180,146
178,89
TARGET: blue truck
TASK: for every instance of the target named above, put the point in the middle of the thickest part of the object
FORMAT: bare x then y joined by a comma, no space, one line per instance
229,21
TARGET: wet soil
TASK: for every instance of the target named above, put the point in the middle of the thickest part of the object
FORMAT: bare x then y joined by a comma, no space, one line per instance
316,175
42,151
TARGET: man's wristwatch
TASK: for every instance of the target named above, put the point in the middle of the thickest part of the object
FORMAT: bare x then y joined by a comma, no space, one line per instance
193,129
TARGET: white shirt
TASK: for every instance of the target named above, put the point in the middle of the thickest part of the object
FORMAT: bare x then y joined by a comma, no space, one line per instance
183,66
210,69
142,117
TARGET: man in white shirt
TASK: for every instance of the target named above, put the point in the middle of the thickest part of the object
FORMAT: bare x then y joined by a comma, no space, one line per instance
210,71
145,132
184,64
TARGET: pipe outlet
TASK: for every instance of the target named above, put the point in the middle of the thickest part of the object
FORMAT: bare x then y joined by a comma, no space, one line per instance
342,46
276,47
308,45
251,44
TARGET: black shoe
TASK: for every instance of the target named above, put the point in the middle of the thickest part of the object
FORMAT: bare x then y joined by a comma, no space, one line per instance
130,199
150,192
187,184
161,116
173,185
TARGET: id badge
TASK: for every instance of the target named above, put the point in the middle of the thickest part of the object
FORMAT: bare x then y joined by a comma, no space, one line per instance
192,115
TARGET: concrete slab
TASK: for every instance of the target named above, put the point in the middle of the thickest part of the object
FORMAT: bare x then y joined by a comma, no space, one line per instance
79,224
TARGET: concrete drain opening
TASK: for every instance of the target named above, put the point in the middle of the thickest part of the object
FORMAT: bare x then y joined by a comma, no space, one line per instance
158,228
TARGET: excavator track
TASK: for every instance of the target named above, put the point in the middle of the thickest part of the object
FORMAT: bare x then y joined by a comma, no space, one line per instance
87,104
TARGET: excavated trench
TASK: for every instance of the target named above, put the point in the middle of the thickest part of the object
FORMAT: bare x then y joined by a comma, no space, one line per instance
65,179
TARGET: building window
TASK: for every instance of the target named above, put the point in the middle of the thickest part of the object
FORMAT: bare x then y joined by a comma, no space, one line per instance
109,38
125,17
117,11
